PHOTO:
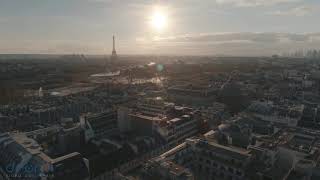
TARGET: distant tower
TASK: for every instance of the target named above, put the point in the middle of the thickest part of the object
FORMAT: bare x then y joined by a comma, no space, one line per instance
114,52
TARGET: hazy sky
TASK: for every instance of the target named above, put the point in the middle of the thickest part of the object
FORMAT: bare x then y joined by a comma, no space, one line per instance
232,27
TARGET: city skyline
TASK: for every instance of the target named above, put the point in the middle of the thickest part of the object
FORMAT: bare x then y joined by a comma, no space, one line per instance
159,89
209,27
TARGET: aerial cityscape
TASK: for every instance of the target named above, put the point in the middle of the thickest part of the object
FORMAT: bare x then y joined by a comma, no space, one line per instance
152,95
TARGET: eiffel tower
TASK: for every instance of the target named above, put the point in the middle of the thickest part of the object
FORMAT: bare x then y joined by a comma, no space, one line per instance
114,52
110,63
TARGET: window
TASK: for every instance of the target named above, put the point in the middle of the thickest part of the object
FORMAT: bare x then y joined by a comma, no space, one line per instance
230,170
222,175
232,161
239,173
222,168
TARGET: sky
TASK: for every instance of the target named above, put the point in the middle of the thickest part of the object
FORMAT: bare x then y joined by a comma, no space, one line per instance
192,27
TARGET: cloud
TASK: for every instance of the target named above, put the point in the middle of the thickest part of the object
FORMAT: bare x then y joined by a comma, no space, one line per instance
297,11
242,43
232,37
249,3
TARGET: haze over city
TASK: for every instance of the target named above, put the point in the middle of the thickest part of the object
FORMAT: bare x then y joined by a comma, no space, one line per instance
159,90
179,27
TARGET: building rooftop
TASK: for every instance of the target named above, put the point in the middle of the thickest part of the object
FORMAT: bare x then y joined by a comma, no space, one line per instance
150,118
27,143
174,168
231,151
21,151
294,139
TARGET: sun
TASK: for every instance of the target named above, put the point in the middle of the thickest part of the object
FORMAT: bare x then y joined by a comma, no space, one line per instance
159,20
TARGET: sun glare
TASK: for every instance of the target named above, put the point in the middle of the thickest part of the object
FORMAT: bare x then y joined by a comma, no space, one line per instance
159,20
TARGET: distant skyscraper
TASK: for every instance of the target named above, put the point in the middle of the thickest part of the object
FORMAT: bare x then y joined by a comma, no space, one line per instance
114,53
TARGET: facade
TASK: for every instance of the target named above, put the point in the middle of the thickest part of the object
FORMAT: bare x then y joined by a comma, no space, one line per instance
70,137
154,106
207,160
214,114
281,115
99,125
124,122
173,126
148,108
192,95
288,154
166,170
156,118
144,125
177,129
